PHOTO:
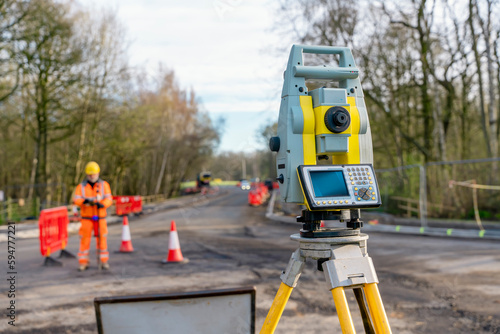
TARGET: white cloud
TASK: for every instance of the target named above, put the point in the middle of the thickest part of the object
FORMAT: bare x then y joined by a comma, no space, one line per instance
220,48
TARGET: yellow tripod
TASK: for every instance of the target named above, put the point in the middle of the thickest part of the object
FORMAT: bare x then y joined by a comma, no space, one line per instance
346,264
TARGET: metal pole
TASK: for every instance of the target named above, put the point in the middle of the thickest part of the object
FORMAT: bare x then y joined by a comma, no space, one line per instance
476,208
9,209
243,169
423,196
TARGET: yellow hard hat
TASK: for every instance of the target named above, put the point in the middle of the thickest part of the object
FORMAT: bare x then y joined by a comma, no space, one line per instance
92,168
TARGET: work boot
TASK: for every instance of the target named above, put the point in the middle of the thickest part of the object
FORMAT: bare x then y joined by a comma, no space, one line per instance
105,266
83,267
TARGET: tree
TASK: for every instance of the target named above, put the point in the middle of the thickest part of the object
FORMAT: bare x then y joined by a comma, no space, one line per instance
50,54
423,66
78,100
12,18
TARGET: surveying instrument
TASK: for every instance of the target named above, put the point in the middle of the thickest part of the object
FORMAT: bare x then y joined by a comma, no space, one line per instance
324,162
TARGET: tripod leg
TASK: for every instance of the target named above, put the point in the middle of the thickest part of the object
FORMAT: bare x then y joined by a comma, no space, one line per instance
377,309
358,292
289,280
343,310
277,308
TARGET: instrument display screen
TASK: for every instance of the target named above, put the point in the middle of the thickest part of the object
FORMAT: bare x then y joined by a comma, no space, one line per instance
329,184
337,187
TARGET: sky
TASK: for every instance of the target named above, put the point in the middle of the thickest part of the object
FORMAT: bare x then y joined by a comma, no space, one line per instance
224,50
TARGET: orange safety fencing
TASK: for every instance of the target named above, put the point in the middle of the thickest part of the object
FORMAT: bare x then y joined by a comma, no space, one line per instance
127,204
53,224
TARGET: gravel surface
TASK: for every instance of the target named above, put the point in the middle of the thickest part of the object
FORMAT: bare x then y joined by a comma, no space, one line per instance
428,284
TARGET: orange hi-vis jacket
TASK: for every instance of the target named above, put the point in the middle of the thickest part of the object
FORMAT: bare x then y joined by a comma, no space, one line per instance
101,192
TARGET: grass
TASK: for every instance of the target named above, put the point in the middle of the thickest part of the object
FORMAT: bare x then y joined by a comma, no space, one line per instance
191,184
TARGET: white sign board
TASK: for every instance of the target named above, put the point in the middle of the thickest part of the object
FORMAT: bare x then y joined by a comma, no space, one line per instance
216,311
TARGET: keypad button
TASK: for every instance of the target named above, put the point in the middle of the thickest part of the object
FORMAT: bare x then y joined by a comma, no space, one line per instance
359,198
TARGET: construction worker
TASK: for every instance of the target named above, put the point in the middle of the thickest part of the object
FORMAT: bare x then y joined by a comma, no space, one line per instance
93,196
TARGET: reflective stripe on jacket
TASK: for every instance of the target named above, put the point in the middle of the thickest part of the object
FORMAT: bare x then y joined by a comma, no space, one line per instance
101,192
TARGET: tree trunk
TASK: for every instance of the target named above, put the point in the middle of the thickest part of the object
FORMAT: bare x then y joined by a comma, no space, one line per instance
162,172
34,168
477,59
423,39
81,145
492,110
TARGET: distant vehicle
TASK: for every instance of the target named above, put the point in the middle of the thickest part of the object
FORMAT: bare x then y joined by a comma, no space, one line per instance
203,179
202,185
245,185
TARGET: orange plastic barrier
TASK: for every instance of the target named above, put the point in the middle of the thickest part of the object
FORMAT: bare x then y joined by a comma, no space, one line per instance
258,194
137,204
255,197
53,230
127,204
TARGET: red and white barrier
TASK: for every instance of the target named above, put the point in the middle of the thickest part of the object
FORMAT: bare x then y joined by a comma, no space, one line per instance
125,205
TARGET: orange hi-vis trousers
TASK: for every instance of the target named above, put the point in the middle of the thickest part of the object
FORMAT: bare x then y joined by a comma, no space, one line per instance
85,238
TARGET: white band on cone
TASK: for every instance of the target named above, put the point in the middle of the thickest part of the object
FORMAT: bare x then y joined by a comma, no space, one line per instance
126,233
173,240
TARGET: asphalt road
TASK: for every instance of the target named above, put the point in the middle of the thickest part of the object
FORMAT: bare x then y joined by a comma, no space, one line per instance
428,284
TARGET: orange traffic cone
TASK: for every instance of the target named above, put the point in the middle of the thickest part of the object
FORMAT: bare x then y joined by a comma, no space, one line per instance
174,247
322,224
126,246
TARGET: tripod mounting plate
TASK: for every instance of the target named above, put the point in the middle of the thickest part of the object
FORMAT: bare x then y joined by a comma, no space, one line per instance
316,242
329,233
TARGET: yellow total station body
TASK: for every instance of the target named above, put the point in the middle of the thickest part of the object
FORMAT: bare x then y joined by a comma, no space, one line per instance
315,130
323,126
